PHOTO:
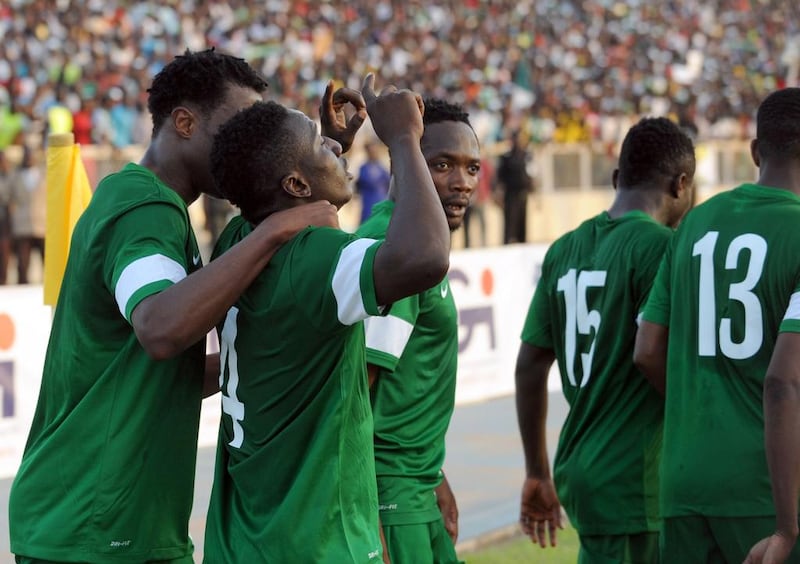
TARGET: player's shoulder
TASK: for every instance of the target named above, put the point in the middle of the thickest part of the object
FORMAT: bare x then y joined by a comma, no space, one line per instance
236,230
377,223
131,187
315,244
578,236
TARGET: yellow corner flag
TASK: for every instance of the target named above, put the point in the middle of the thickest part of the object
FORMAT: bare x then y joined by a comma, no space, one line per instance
68,194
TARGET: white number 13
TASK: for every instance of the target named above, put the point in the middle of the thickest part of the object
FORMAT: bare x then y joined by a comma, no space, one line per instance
738,291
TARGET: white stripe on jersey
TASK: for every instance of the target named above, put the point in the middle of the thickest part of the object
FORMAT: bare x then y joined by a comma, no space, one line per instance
388,334
793,311
142,272
347,282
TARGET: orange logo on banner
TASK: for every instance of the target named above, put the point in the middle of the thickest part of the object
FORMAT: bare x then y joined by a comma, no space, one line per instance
487,282
7,333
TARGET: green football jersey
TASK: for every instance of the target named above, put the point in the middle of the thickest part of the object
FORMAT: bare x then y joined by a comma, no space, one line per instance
416,349
295,476
108,470
724,291
594,283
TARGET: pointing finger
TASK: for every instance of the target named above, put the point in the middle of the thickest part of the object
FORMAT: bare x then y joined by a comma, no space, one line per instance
367,89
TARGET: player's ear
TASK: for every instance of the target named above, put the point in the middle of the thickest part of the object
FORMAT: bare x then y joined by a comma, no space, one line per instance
754,152
680,183
296,186
183,121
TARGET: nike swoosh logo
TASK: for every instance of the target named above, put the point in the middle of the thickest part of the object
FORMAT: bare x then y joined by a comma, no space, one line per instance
443,290
196,259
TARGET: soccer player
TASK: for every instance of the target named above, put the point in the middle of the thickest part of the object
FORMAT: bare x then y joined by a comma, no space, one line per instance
725,293
295,473
583,314
108,470
412,355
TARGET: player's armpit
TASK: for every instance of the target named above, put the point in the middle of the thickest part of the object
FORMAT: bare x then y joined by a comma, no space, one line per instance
211,379
372,374
650,354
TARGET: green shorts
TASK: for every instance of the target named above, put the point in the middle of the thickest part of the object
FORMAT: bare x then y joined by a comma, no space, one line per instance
27,560
425,543
701,539
640,548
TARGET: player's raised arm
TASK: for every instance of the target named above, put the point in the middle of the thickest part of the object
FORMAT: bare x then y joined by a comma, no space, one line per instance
415,255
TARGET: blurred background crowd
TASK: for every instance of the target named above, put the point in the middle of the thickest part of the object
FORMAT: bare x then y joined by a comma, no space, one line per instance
544,71
570,67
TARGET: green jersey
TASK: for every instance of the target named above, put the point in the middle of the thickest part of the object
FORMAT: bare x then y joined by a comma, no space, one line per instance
594,283
295,476
108,470
724,291
416,350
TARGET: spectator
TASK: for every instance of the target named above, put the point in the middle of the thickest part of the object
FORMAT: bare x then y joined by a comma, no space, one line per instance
5,217
82,122
373,180
27,206
515,184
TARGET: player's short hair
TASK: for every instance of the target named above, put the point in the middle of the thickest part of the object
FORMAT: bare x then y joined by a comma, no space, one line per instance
438,110
778,124
653,148
250,155
201,78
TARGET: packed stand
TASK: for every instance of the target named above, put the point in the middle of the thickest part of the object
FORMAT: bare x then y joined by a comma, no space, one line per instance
563,70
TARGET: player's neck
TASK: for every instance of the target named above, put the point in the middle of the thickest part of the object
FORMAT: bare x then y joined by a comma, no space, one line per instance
169,171
647,201
784,177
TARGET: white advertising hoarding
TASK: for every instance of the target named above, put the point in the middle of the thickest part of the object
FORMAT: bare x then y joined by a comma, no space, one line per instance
492,288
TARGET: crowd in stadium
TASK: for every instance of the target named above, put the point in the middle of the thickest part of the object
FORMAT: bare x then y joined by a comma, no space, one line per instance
570,70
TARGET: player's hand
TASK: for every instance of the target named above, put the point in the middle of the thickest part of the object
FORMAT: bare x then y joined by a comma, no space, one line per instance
394,113
333,118
289,222
774,549
447,505
539,508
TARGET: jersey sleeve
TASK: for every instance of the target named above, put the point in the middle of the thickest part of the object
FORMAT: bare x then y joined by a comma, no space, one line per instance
538,328
791,319
657,308
388,336
332,276
146,253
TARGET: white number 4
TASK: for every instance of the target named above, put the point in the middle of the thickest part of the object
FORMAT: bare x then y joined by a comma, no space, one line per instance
231,405
579,318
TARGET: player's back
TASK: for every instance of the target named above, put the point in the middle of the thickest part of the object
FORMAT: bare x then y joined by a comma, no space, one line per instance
597,278
734,265
295,452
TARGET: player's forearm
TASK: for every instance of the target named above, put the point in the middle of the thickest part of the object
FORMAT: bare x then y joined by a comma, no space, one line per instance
169,322
782,438
531,397
417,246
